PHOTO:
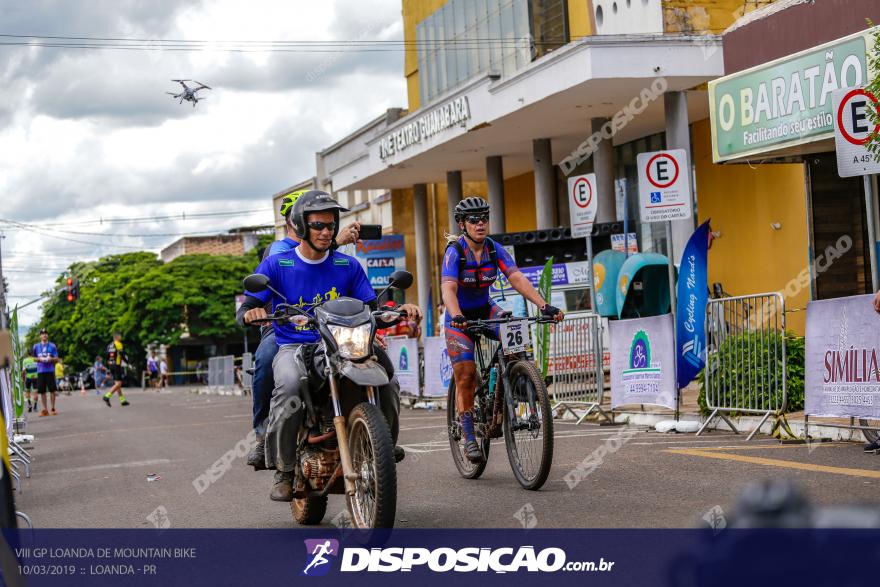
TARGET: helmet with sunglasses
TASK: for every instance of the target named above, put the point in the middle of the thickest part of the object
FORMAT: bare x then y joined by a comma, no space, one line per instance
310,202
470,205
288,201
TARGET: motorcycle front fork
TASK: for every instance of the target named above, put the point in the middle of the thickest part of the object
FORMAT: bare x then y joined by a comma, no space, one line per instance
339,423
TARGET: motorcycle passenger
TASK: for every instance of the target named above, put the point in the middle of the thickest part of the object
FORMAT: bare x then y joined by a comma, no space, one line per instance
263,382
308,274
471,264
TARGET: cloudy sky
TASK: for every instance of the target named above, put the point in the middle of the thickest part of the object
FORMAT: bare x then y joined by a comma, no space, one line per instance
89,134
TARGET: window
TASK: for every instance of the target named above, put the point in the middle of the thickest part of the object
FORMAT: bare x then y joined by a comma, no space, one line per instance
549,25
466,38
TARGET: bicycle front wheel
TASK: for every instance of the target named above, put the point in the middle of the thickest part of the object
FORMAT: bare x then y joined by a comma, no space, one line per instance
528,426
467,469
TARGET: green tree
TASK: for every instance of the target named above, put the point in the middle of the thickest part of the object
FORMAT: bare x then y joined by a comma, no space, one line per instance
144,299
874,87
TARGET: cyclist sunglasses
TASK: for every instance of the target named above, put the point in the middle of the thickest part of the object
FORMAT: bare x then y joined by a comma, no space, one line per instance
477,218
319,226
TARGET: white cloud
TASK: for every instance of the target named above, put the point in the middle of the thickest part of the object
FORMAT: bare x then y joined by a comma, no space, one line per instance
87,134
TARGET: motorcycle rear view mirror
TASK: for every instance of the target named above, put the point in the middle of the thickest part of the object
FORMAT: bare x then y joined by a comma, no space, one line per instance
256,283
401,280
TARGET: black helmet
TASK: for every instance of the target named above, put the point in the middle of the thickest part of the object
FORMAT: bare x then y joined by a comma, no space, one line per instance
314,201
470,205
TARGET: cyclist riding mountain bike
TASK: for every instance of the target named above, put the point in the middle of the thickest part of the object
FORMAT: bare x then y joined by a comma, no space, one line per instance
306,275
472,262
263,383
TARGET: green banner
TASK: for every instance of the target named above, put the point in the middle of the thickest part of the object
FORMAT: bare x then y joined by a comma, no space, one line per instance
786,102
545,286
17,356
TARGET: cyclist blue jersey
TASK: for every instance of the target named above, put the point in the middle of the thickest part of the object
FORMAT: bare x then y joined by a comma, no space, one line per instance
304,283
475,278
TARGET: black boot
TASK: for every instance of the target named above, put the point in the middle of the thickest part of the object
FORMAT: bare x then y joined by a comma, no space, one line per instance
283,488
257,457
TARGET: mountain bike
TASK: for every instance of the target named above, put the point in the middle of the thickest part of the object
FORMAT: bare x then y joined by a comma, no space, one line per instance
515,405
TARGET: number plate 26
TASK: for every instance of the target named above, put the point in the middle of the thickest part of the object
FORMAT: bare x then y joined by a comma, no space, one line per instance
515,337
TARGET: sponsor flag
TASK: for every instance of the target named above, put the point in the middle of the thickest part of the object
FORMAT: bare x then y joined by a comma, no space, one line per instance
693,295
545,286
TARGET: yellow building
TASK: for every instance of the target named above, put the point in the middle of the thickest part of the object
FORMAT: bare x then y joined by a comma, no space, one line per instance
509,98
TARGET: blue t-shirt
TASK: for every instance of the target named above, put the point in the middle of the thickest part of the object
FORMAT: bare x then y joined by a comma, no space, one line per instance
282,246
475,278
305,284
41,350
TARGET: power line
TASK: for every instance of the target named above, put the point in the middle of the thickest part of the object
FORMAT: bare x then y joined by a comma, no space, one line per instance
171,217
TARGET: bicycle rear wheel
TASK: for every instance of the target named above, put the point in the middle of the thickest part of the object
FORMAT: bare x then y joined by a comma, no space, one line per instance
467,469
870,435
528,427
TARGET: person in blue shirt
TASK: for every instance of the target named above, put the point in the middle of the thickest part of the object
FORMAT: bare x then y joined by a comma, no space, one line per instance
308,274
263,382
46,354
472,263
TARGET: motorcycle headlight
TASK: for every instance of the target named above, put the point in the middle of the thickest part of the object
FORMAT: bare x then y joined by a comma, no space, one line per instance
353,342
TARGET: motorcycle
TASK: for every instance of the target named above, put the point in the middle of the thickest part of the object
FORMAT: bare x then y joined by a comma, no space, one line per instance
344,446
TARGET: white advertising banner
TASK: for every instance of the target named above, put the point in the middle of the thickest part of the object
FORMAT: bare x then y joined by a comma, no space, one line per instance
438,368
404,354
643,362
842,359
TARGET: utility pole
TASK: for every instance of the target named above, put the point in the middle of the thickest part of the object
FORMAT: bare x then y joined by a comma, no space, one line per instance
2,288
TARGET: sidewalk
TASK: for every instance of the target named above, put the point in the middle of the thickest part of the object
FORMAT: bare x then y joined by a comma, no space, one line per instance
641,415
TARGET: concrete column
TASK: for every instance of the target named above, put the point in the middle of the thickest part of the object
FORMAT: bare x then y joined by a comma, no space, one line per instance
603,166
545,183
678,137
423,249
495,179
454,192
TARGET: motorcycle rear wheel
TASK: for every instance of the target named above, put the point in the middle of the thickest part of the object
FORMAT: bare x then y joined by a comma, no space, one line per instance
309,511
374,504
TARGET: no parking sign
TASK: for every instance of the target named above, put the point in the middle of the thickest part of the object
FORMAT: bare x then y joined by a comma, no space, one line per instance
582,204
664,186
852,128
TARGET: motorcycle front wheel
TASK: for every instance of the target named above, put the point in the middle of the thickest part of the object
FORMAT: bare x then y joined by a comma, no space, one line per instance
374,503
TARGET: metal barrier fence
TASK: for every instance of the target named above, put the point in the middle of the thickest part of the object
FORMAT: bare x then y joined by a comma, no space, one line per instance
221,371
247,380
575,364
746,358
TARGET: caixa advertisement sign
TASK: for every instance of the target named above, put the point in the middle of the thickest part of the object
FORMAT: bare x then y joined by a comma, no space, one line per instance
380,258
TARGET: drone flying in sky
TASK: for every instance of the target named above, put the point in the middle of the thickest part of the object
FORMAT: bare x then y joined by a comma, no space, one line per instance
188,93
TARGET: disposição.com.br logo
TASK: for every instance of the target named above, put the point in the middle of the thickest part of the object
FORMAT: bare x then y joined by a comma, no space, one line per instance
442,560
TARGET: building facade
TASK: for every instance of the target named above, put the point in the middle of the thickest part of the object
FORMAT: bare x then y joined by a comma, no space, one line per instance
218,244
507,99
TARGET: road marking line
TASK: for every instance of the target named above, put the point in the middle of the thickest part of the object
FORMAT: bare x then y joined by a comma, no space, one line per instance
423,427
697,452
108,466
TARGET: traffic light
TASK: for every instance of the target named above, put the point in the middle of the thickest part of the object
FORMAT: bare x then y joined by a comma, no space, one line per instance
72,289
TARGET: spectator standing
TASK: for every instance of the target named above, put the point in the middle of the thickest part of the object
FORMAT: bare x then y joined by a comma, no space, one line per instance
29,373
46,354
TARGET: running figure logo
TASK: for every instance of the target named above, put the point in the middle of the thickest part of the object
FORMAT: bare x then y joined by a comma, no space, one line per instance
318,551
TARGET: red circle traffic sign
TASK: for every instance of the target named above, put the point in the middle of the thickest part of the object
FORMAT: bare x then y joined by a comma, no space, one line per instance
849,138
648,170
574,192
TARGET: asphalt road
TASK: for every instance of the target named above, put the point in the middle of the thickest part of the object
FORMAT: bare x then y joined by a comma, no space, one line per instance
91,467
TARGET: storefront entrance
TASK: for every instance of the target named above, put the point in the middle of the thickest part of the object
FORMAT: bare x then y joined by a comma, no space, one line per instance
838,211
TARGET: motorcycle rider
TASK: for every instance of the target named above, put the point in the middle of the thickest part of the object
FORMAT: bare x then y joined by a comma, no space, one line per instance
305,275
263,381
471,264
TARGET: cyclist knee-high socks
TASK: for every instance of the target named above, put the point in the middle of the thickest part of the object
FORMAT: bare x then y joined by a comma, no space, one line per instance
467,425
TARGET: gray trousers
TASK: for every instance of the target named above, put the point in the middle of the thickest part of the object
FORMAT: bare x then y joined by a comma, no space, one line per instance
287,409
